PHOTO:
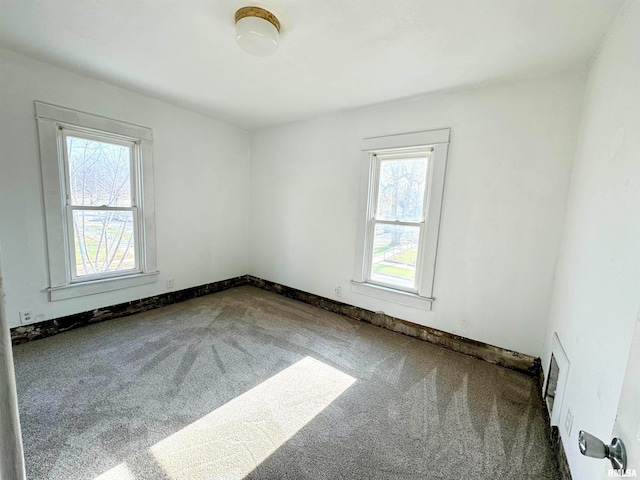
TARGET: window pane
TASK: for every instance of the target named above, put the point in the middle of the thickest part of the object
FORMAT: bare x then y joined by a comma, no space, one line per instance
99,173
395,252
401,189
104,241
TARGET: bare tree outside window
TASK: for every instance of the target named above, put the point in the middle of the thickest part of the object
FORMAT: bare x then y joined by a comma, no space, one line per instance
399,209
402,184
101,202
400,216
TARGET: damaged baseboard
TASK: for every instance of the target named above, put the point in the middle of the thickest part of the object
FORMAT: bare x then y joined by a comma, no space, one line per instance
561,455
554,435
492,354
34,331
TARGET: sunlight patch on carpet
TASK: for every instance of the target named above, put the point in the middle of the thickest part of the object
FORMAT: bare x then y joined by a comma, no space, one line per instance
234,439
119,472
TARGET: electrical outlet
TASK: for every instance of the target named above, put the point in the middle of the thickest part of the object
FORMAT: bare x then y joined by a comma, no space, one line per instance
338,291
26,316
169,282
568,422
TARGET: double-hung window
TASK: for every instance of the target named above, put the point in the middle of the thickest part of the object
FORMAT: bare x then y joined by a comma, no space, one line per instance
403,182
102,205
397,218
97,177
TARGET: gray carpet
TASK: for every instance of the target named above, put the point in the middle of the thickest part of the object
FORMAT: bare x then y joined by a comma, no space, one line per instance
249,384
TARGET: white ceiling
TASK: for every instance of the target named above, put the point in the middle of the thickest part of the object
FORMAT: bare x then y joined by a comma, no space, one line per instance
333,55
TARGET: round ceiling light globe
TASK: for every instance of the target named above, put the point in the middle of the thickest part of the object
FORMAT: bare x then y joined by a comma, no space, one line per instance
257,36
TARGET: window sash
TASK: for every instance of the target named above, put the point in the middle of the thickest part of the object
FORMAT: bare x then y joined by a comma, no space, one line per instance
135,208
71,253
403,153
134,155
370,251
374,185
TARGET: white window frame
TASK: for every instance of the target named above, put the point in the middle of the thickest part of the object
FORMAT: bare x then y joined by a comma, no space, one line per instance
376,159
134,161
436,142
54,124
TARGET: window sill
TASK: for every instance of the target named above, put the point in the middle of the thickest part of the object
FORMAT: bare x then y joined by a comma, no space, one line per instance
99,286
391,295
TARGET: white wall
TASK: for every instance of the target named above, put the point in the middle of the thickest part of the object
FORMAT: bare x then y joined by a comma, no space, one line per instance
509,165
201,175
596,294
507,180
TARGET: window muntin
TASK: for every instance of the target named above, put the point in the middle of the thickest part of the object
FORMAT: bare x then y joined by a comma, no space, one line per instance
102,205
396,222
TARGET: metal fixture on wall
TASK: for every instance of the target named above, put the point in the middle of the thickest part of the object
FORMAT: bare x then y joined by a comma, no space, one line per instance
257,31
556,381
591,446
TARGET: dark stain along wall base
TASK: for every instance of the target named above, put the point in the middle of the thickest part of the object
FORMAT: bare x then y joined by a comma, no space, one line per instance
492,354
561,455
554,437
48,328
499,356
489,353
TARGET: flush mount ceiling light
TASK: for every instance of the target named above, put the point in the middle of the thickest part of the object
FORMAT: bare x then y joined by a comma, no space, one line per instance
257,31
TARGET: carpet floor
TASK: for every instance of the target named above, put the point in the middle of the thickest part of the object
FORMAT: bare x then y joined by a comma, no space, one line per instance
248,384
